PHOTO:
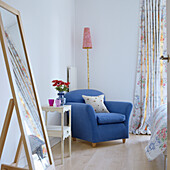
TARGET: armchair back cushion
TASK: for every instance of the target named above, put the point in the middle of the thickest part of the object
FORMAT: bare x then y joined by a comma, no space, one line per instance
97,102
76,95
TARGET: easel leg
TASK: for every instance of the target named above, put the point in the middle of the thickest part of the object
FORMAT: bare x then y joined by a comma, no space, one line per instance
16,160
6,125
3,138
10,167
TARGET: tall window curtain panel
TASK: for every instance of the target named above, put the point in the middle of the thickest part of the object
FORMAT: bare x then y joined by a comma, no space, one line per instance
151,74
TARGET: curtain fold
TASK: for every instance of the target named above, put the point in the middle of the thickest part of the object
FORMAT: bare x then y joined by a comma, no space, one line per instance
151,74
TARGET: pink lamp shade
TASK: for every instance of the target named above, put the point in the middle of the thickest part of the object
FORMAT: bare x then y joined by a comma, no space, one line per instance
87,39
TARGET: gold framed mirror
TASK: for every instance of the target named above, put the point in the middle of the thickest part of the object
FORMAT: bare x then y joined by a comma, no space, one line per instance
25,100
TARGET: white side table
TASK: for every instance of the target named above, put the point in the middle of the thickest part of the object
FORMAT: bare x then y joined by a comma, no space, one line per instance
59,131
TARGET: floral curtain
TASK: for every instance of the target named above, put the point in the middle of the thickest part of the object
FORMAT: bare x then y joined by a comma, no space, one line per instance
151,75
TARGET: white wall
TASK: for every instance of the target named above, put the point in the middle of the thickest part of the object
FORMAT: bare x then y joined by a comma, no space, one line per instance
49,32
49,28
114,31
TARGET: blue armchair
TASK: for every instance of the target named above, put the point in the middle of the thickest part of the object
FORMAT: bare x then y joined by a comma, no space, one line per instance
98,127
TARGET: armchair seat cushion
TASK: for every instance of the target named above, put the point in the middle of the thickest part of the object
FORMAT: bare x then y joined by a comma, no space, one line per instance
109,118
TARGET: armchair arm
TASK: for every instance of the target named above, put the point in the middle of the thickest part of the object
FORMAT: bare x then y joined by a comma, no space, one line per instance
84,124
119,107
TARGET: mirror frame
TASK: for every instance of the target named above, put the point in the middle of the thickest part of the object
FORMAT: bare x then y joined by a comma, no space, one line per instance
20,117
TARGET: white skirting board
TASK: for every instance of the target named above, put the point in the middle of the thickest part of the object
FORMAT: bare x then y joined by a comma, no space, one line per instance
72,77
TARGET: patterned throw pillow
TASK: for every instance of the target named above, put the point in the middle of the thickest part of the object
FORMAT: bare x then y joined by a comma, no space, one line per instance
97,102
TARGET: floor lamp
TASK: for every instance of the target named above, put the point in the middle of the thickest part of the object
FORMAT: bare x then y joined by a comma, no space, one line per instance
87,44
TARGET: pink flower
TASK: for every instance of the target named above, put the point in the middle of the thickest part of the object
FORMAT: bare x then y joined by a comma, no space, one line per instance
164,136
164,145
158,132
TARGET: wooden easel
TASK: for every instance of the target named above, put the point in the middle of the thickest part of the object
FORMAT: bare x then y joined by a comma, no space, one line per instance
24,141
4,135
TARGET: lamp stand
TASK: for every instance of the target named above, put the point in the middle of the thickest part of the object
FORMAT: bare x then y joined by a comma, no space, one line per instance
88,68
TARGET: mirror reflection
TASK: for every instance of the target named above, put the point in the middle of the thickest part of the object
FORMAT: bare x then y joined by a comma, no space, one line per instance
25,90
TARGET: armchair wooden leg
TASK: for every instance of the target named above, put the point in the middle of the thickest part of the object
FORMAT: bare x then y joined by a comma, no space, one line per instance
124,140
74,139
93,145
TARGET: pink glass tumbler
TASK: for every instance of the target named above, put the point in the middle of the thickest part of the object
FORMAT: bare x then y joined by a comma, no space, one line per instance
58,103
51,102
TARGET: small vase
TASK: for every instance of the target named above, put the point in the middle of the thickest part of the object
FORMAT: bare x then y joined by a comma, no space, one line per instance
62,98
